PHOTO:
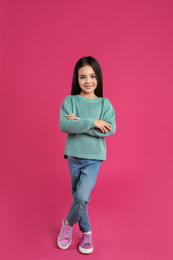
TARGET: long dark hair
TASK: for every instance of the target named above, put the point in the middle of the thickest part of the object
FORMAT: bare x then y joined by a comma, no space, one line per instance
91,61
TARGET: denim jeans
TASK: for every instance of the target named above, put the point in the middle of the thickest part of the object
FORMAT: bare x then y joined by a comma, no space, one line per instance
83,173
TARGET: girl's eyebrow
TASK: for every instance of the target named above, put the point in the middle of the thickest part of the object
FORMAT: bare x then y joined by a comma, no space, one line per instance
85,75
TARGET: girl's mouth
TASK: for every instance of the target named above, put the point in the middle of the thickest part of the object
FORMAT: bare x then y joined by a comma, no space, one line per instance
89,86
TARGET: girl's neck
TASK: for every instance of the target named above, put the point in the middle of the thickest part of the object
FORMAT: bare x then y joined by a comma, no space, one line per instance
88,95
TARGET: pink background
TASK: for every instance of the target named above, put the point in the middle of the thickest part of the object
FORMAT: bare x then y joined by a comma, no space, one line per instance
131,209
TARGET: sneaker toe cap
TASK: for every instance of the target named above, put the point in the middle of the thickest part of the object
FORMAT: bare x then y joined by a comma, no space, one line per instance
86,246
64,242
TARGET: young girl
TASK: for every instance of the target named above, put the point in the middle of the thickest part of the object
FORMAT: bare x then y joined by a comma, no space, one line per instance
87,118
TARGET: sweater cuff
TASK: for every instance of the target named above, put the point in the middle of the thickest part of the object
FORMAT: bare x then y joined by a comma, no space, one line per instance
91,122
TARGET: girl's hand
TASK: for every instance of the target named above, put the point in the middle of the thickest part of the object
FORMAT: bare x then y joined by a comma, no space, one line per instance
72,117
102,125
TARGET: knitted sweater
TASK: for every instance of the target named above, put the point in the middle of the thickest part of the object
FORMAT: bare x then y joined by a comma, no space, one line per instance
83,139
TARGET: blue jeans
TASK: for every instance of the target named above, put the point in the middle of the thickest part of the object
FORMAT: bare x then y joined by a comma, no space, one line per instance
83,173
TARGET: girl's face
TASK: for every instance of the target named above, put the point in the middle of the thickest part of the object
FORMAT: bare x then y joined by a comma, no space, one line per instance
87,80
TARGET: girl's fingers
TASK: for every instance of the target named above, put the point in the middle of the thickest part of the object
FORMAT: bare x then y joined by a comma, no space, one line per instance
104,130
68,116
72,117
108,126
106,123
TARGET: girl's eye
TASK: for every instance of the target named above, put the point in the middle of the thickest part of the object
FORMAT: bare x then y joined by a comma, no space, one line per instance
93,76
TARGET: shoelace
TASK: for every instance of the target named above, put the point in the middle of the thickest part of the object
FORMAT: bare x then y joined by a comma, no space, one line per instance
87,239
66,231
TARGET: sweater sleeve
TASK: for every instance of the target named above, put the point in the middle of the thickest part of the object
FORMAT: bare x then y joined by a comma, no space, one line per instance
109,117
73,126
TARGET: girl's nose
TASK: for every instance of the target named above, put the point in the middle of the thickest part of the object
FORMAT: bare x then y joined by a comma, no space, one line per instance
88,79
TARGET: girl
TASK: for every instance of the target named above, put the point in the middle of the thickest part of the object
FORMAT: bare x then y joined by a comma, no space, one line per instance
87,118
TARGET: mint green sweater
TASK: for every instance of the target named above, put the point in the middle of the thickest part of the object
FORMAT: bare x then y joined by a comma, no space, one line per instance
83,139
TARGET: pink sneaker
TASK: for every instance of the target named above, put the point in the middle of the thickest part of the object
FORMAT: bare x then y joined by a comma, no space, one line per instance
86,244
65,236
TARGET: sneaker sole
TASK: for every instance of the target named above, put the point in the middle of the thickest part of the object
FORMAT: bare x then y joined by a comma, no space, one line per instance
62,247
86,251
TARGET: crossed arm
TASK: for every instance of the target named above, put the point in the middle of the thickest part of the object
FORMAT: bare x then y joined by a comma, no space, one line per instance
100,124
72,124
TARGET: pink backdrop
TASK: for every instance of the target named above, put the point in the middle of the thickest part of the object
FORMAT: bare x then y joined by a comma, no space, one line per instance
131,207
